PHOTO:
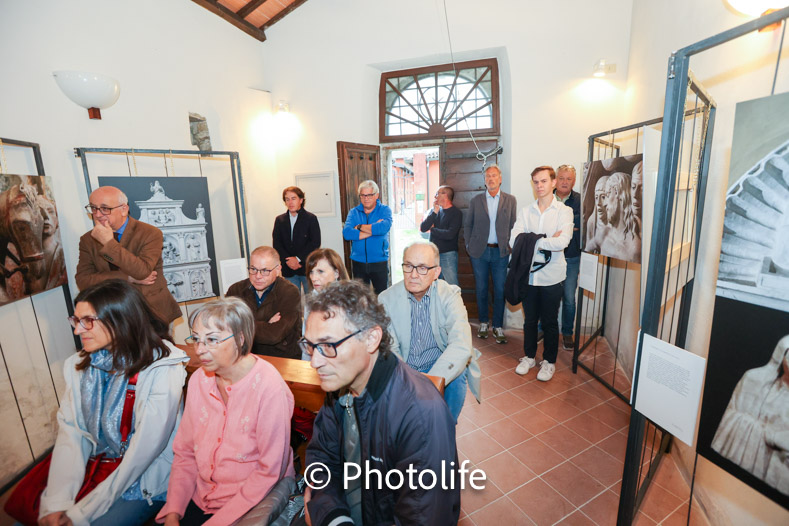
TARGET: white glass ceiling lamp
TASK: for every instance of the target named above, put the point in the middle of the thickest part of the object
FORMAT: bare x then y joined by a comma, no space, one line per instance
756,7
92,91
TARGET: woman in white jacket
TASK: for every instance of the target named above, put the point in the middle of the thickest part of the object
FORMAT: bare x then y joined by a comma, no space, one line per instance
120,339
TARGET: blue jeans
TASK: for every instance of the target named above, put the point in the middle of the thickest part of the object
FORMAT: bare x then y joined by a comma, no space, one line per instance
491,263
455,395
449,267
568,299
128,513
299,281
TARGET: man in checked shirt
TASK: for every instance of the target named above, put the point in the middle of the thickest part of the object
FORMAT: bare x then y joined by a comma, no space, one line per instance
430,330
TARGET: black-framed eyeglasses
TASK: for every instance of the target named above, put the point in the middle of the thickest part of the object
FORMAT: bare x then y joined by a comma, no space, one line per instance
210,342
105,210
421,269
261,271
365,196
327,349
85,321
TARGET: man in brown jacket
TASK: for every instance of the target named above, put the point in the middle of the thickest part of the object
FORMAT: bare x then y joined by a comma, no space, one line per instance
276,303
120,247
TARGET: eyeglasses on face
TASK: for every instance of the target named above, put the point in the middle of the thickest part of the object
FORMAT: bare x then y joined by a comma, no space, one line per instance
86,322
327,349
210,342
421,269
105,210
262,271
367,196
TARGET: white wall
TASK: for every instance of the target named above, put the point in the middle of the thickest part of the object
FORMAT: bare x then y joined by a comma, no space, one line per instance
736,71
170,58
326,58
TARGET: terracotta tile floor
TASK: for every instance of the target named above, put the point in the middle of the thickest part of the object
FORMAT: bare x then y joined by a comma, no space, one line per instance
554,452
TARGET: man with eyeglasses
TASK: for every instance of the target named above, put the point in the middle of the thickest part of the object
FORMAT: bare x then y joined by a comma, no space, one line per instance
444,222
120,247
379,415
275,302
367,228
429,325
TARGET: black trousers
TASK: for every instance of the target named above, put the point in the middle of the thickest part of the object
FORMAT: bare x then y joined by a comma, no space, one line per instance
375,273
194,516
541,305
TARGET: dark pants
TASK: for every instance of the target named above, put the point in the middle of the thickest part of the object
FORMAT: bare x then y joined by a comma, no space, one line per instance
375,273
541,304
194,516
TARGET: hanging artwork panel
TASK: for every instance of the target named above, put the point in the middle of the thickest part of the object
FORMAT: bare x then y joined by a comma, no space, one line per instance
612,207
32,253
180,208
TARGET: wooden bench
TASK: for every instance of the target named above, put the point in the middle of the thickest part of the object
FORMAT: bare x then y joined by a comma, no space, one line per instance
299,375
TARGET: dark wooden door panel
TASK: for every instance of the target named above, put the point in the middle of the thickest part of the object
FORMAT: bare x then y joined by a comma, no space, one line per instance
357,163
461,170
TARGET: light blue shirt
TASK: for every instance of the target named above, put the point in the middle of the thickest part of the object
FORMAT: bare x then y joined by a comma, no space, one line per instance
493,208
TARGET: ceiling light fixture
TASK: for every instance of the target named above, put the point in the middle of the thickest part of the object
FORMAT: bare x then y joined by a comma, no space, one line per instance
603,68
92,91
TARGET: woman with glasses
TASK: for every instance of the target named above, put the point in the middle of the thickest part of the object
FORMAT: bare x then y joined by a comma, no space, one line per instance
125,356
233,444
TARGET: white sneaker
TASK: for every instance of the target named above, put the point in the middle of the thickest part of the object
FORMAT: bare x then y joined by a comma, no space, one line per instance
524,365
546,371
483,331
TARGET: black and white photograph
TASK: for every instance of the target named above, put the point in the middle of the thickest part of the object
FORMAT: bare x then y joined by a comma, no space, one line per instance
180,208
744,425
611,207
32,253
754,261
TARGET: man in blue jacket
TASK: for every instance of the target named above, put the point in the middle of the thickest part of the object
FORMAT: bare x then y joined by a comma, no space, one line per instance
367,228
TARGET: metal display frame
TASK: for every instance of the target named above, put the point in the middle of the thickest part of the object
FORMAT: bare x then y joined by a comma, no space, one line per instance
69,308
679,78
235,170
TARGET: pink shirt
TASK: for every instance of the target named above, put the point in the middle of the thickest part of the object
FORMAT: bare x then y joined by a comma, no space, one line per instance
227,457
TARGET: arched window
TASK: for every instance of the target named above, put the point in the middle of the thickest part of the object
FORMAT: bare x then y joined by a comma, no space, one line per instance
440,101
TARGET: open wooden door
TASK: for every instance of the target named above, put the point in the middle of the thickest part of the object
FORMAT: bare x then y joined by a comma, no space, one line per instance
461,170
356,163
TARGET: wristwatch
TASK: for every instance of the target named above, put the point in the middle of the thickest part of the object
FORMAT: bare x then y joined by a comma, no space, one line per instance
358,227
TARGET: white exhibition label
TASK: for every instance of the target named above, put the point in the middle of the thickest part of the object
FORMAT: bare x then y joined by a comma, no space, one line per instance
587,275
669,387
232,271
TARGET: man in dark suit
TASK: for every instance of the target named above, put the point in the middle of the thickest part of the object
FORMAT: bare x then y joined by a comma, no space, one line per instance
565,180
296,234
486,229
120,247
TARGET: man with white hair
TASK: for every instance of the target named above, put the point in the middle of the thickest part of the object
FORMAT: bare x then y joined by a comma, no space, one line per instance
367,228
120,247
429,325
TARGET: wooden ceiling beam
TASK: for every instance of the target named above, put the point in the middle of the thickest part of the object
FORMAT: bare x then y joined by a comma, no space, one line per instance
225,13
251,6
279,16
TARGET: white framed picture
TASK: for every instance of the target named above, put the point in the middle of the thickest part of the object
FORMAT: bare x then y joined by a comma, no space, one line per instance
319,195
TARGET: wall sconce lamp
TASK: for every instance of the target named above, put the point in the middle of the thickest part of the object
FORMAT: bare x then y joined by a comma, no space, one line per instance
92,91
602,68
756,8
283,106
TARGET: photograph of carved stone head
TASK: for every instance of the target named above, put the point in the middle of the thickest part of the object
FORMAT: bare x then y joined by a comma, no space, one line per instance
754,261
611,207
180,208
31,253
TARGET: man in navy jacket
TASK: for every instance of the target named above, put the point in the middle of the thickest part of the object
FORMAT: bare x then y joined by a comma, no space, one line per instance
565,180
367,228
296,234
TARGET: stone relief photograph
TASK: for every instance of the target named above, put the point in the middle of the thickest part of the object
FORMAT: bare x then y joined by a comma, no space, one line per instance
179,207
754,261
32,253
744,425
611,207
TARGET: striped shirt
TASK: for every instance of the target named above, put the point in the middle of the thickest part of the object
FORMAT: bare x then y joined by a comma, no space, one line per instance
424,349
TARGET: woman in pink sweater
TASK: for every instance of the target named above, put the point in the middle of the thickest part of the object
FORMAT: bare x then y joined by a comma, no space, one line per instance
233,444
